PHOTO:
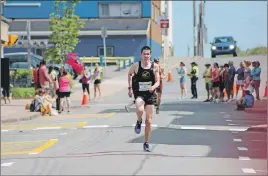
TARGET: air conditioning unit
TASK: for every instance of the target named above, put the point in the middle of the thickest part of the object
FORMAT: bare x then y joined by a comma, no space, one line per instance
43,42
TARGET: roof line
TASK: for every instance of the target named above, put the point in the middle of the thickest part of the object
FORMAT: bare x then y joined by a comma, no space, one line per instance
85,33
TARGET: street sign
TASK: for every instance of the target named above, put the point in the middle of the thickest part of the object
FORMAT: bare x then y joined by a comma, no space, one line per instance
104,32
164,23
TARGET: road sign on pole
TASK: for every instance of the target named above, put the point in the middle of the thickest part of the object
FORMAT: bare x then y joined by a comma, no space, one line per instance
164,23
104,36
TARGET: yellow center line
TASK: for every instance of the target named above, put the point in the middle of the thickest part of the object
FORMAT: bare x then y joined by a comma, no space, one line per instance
45,144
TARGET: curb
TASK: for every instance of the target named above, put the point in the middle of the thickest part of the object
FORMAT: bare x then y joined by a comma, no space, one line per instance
21,119
256,110
257,129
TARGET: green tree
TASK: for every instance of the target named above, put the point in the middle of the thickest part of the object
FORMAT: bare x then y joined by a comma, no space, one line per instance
65,27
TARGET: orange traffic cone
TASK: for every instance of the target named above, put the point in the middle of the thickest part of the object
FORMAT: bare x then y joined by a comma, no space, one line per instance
169,77
234,89
224,93
85,98
266,90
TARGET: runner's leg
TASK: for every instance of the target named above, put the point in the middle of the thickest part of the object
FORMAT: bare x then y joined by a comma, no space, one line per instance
139,111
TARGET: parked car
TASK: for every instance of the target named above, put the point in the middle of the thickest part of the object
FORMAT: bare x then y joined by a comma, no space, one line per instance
223,45
23,57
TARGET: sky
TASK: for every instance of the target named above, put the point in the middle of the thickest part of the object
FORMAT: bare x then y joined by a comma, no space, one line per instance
246,21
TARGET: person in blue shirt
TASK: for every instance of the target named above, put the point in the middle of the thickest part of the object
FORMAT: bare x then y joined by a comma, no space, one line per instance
256,74
246,102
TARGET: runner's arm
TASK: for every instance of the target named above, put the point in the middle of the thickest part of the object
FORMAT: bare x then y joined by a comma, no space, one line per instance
130,73
157,77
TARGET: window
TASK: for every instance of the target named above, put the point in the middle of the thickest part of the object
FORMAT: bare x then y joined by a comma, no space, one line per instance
39,51
109,51
17,58
104,8
129,9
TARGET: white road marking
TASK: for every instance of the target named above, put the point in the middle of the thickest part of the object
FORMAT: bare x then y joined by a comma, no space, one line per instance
232,124
97,126
238,129
34,153
244,158
4,131
237,140
47,128
63,133
192,128
248,171
228,120
143,125
242,148
7,164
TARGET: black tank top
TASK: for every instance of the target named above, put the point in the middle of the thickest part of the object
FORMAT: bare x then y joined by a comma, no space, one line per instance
145,78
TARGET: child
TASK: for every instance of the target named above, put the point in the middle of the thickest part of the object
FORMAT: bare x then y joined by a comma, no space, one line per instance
246,102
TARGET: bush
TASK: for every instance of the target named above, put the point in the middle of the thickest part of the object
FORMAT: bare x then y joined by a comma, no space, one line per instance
22,73
21,92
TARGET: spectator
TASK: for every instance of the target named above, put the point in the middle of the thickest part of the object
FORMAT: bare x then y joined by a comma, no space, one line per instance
64,90
182,74
216,82
240,77
208,83
194,77
44,77
85,80
97,81
256,74
35,76
230,81
246,102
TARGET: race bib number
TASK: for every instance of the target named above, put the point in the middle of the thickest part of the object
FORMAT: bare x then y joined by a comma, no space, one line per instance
145,86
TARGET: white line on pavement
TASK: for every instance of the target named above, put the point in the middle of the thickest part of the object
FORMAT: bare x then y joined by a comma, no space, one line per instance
192,128
4,131
244,158
228,120
237,140
242,148
238,129
47,128
97,126
248,171
143,125
7,164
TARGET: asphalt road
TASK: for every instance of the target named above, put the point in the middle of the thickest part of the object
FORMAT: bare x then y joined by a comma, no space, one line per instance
189,137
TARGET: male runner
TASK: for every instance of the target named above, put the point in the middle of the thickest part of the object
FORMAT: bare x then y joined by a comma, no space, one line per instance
160,88
147,77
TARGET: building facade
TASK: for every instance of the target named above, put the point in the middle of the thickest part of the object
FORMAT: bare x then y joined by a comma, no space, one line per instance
130,25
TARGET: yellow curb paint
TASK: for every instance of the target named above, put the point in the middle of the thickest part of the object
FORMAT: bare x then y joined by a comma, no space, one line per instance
45,126
46,145
15,153
22,142
81,124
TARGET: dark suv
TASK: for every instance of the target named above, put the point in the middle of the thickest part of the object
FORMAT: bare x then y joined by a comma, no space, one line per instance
223,46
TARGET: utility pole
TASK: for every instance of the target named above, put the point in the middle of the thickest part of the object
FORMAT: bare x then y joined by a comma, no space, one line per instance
203,29
188,50
2,47
194,28
29,43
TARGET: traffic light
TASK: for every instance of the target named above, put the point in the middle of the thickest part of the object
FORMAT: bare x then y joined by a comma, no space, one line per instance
12,39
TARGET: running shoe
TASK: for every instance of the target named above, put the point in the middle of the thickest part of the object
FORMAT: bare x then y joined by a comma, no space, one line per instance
146,147
138,127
